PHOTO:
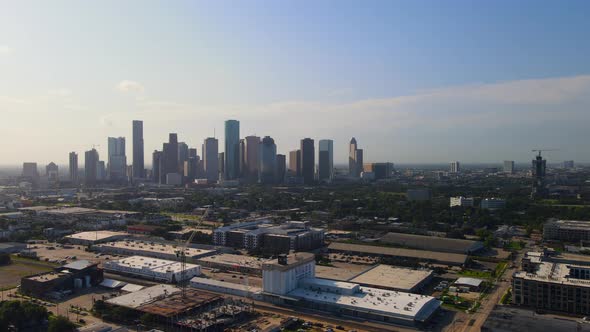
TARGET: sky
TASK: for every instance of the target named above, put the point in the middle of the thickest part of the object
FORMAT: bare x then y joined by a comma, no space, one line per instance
414,81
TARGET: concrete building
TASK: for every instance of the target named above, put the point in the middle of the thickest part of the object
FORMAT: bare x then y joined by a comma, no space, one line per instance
182,156
52,172
63,280
394,278
117,160
150,249
354,164
138,157
539,168
152,269
283,275
211,159
308,160
73,167
432,243
462,201
281,168
251,159
225,287
568,164
31,173
493,203
235,263
326,160
567,230
169,160
156,166
379,170
268,161
471,284
509,166
88,238
232,150
295,162
91,160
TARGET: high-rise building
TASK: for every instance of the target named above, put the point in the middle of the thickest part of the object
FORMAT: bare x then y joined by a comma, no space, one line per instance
156,164
169,164
90,167
379,170
308,160
138,157
192,153
191,169
73,167
509,166
252,158
242,158
281,168
359,157
355,159
232,150
52,172
268,161
117,160
31,172
455,167
326,160
539,169
221,163
211,159
182,156
295,162
101,171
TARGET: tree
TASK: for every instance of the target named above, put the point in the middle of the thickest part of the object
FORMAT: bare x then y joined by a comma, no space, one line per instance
60,324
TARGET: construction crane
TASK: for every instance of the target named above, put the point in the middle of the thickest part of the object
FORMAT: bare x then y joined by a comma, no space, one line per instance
181,254
541,150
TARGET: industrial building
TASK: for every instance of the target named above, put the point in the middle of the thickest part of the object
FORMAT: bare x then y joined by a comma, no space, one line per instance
235,263
85,218
227,288
150,249
398,253
88,238
461,201
62,280
567,230
548,285
394,278
432,243
274,239
152,269
493,203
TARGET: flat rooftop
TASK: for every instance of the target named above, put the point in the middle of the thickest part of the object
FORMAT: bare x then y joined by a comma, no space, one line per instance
558,273
95,236
149,263
458,259
392,277
294,259
337,273
235,260
147,295
44,277
174,305
156,247
571,224
434,243
224,284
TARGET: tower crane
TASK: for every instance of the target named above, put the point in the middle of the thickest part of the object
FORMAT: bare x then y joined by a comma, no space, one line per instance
181,254
541,150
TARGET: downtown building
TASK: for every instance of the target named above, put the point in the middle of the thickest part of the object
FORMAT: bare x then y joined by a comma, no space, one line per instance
308,161
355,159
326,160
117,160
138,149
268,161
211,159
232,150
73,168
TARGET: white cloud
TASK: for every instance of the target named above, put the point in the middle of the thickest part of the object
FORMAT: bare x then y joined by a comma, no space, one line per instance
6,50
62,92
130,86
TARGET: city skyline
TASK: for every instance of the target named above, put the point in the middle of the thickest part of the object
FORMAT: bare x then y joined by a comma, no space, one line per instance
386,79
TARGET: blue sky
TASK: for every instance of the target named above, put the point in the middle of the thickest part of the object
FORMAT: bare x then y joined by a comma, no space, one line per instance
413,81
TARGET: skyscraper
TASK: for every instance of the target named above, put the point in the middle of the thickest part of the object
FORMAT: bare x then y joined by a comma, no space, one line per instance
90,167
169,164
308,160
232,149
138,157
268,161
73,167
192,153
455,167
355,159
221,163
117,160
281,168
52,172
539,169
156,164
509,166
182,155
210,159
252,158
326,160
295,162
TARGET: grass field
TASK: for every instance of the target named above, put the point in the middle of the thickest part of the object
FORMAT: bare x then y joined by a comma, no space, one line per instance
10,275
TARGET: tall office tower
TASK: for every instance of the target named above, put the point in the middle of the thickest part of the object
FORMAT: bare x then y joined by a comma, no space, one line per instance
308,160
190,169
211,159
117,160
281,168
192,153
268,161
509,166
252,158
101,171
138,158
30,171
539,171
156,164
169,163
295,162
232,149
221,162
242,158
455,167
326,160
568,164
90,167
355,166
182,156
52,172
74,167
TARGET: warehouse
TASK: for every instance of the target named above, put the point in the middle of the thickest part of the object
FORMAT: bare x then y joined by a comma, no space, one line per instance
150,249
225,287
394,278
432,243
78,274
398,253
88,238
152,268
234,263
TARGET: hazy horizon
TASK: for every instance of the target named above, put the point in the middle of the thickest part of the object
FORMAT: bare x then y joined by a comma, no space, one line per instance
415,83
